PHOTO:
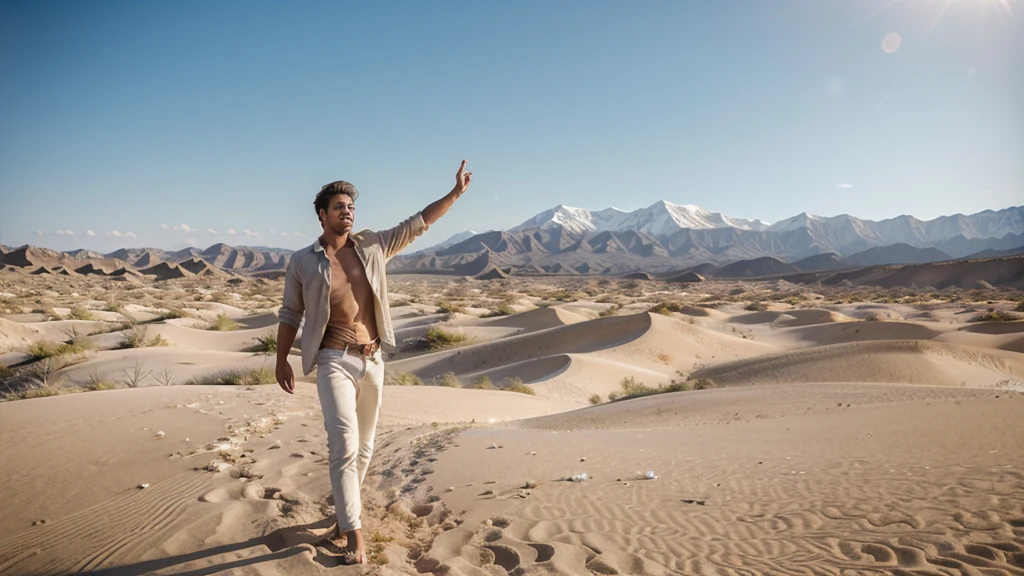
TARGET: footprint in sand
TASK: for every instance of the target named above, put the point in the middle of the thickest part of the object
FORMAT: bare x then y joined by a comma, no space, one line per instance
505,557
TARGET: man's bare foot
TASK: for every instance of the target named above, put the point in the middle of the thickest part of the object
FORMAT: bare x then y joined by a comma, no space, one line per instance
355,549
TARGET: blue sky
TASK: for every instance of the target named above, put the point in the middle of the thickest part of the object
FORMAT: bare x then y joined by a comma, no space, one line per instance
142,117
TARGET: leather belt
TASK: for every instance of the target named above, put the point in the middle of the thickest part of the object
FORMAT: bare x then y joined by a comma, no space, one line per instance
365,350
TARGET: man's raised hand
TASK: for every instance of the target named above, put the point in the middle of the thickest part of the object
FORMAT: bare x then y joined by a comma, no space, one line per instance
462,179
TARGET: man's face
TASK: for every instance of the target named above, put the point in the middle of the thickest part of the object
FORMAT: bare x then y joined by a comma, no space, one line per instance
340,214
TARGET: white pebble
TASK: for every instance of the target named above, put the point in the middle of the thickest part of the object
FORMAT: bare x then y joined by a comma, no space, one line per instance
160,434
143,486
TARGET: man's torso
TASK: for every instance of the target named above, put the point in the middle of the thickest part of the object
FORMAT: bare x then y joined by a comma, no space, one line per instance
352,319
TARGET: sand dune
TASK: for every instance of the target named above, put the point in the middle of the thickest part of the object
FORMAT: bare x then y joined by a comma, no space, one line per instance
538,319
1015,327
16,335
892,361
826,334
796,317
583,375
828,444
583,337
186,364
194,338
761,480
1011,342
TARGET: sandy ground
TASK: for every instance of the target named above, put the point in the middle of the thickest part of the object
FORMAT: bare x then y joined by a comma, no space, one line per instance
866,438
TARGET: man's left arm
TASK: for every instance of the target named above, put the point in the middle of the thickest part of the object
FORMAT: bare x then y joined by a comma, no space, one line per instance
397,238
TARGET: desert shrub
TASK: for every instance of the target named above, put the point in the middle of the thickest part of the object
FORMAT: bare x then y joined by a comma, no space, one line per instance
79,313
630,388
503,309
223,323
702,384
400,303
516,385
176,313
595,399
407,379
45,349
266,344
448,380
756,306
993,315
101,385
136,375
665,308
48,349
241,377
448,308
633,389
221,297
438,338
611,311
1019,308
481,383
135,337
39,393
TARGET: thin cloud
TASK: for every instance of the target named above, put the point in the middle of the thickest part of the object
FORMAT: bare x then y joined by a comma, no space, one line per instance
844,185
114,233
64,233
232,232
165,226
131,235
212,231
182,227
40,232
90,233
248,232
186,228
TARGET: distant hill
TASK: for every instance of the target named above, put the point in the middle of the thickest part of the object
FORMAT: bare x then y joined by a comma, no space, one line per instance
755,268
996,253
822,262
897,254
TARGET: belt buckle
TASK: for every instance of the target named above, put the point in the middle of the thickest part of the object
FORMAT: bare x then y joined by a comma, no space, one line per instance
369,350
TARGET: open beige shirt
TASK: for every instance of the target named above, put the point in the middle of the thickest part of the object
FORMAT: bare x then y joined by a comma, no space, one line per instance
307,284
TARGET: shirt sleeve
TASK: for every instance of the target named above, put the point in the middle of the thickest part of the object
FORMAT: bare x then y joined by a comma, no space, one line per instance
393,240
292,307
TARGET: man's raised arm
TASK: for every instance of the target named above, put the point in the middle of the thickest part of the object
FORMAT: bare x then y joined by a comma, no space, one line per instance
397,238
434,211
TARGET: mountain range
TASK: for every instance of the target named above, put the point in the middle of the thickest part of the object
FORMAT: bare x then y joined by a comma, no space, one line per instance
667,236
664,239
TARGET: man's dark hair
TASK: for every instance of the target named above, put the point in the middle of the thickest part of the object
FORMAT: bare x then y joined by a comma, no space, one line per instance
323,197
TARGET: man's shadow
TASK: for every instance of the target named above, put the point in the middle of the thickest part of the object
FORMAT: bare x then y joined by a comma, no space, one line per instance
283,543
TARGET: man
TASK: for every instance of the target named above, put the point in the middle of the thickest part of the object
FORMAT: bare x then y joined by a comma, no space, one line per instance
338,282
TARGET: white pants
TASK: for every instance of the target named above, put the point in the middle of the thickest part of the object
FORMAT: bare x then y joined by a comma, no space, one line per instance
350,391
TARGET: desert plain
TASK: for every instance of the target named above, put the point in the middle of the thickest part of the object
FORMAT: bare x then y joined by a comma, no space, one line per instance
530,425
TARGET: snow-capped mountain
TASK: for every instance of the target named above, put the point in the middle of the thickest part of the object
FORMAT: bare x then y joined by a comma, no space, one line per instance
843,234
659,219
669,236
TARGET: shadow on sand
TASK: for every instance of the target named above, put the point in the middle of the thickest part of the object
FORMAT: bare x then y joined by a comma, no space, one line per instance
282,543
